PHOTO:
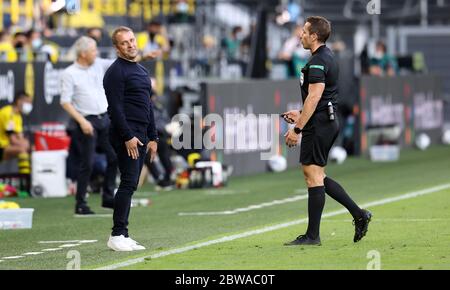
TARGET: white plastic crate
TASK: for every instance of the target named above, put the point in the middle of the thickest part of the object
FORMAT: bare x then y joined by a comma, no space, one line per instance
384,152
20,218
48,174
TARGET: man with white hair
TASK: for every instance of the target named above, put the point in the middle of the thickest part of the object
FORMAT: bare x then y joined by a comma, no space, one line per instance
83,97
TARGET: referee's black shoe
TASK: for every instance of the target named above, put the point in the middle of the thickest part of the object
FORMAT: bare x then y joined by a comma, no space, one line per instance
304,240
361,225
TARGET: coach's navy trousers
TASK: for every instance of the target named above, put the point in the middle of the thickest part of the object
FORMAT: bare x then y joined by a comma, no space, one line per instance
130,170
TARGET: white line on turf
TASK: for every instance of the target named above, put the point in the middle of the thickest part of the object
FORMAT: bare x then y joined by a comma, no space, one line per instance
390,220
225,192
69,245
248,208
71,241
108,215
32,253
13,257
51,250
272,228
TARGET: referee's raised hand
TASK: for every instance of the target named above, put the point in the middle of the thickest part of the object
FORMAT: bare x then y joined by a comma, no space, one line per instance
291,117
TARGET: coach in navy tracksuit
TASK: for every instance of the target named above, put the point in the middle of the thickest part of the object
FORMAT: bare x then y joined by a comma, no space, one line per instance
132,133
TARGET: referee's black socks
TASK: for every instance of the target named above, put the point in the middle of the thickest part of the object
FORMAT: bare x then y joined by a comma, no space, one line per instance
336,191
316,202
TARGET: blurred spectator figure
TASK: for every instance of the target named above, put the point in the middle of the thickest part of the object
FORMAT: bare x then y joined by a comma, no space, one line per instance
13,144
233,44
206,55
364,60
21,45
84,99
162,120
40,50
382,63
7,51
293,53
85,18
154,39
246,44
95,33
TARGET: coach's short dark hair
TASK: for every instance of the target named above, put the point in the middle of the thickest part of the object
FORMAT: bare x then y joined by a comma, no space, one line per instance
320,26
117,31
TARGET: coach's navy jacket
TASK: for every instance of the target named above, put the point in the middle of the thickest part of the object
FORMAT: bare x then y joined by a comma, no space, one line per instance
128,88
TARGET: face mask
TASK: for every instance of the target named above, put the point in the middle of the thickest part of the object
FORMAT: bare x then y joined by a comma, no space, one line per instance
27,108
378,55
36,43
19,45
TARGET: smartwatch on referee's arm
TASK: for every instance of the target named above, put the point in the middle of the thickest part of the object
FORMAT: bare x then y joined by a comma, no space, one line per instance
297,130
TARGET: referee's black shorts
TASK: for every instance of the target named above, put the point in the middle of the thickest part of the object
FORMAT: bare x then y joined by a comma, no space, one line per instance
318,136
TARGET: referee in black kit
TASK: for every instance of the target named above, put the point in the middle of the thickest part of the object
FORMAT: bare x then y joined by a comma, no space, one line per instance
318,125
132,132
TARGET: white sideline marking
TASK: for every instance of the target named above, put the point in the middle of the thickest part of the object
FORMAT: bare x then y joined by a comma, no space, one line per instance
225,192
87,241
272,228
390,220
69,245
248,208
51,250
32,253
84,216
13,257
65,242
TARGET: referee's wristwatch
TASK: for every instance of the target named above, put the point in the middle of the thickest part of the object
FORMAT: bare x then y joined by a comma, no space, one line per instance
297,130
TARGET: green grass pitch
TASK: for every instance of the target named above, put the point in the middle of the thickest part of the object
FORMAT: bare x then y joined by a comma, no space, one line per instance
405,234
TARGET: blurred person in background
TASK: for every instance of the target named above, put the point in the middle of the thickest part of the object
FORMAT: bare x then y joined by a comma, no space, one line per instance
154,39
13,143
96,34
163,181
21,45
382,63
7,51
232,44
40,49
293,53
84,99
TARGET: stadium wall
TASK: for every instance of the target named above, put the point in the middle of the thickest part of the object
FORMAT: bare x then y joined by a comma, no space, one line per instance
414,103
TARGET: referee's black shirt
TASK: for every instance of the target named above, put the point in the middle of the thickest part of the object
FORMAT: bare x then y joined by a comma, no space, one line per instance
321,68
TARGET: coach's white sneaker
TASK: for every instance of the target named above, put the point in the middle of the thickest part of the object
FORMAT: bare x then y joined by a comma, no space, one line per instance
119,244
134,245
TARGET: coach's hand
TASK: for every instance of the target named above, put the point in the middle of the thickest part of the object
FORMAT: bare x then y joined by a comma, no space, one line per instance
152,146
132,147
86,127
291,117
291,138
